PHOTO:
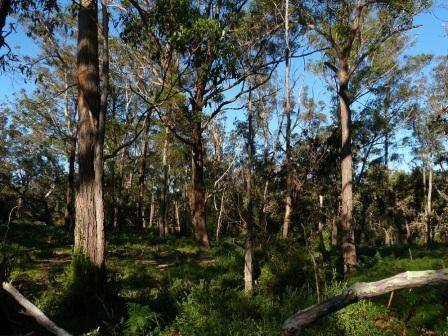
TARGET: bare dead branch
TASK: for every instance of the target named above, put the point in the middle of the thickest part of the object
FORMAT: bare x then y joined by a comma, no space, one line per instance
294,325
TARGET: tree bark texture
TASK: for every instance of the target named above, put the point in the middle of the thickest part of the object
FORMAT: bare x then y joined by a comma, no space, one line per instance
166,176
89,230
142,177
248,244
348,240
198,192
429,206
152,208
362,290
177,214
288,166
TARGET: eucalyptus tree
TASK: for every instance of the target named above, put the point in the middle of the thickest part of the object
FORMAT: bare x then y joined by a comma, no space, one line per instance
199,54
89,230
288,191
358,36
249,242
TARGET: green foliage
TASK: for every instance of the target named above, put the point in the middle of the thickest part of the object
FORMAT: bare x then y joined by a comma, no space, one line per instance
214,311
359,318
141,319
204,296
89,298
283,266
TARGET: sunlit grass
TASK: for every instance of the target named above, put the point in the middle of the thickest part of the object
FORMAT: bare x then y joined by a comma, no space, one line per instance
174,287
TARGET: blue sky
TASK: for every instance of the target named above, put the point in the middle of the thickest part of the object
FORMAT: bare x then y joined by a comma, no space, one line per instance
431,37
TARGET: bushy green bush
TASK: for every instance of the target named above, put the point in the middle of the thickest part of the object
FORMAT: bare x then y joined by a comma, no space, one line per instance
210,311
89,296
284,265
141,320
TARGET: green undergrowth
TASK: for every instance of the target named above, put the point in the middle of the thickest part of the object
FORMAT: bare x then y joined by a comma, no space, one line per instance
172,287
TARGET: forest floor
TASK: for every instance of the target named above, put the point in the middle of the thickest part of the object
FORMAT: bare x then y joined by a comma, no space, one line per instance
173,287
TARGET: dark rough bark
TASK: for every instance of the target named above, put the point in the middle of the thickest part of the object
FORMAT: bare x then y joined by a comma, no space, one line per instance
362,290
198,192
348,243
89,230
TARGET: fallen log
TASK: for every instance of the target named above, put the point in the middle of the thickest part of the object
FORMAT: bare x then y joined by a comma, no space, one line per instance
31,310
295,325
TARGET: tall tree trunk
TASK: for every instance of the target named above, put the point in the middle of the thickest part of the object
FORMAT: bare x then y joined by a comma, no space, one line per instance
142,177
248,245
263,205
166,176
425,204
152,207
198,192
348,243
118,201
70,211
334,233
288,191
221,209
429,205
89,231
177,214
